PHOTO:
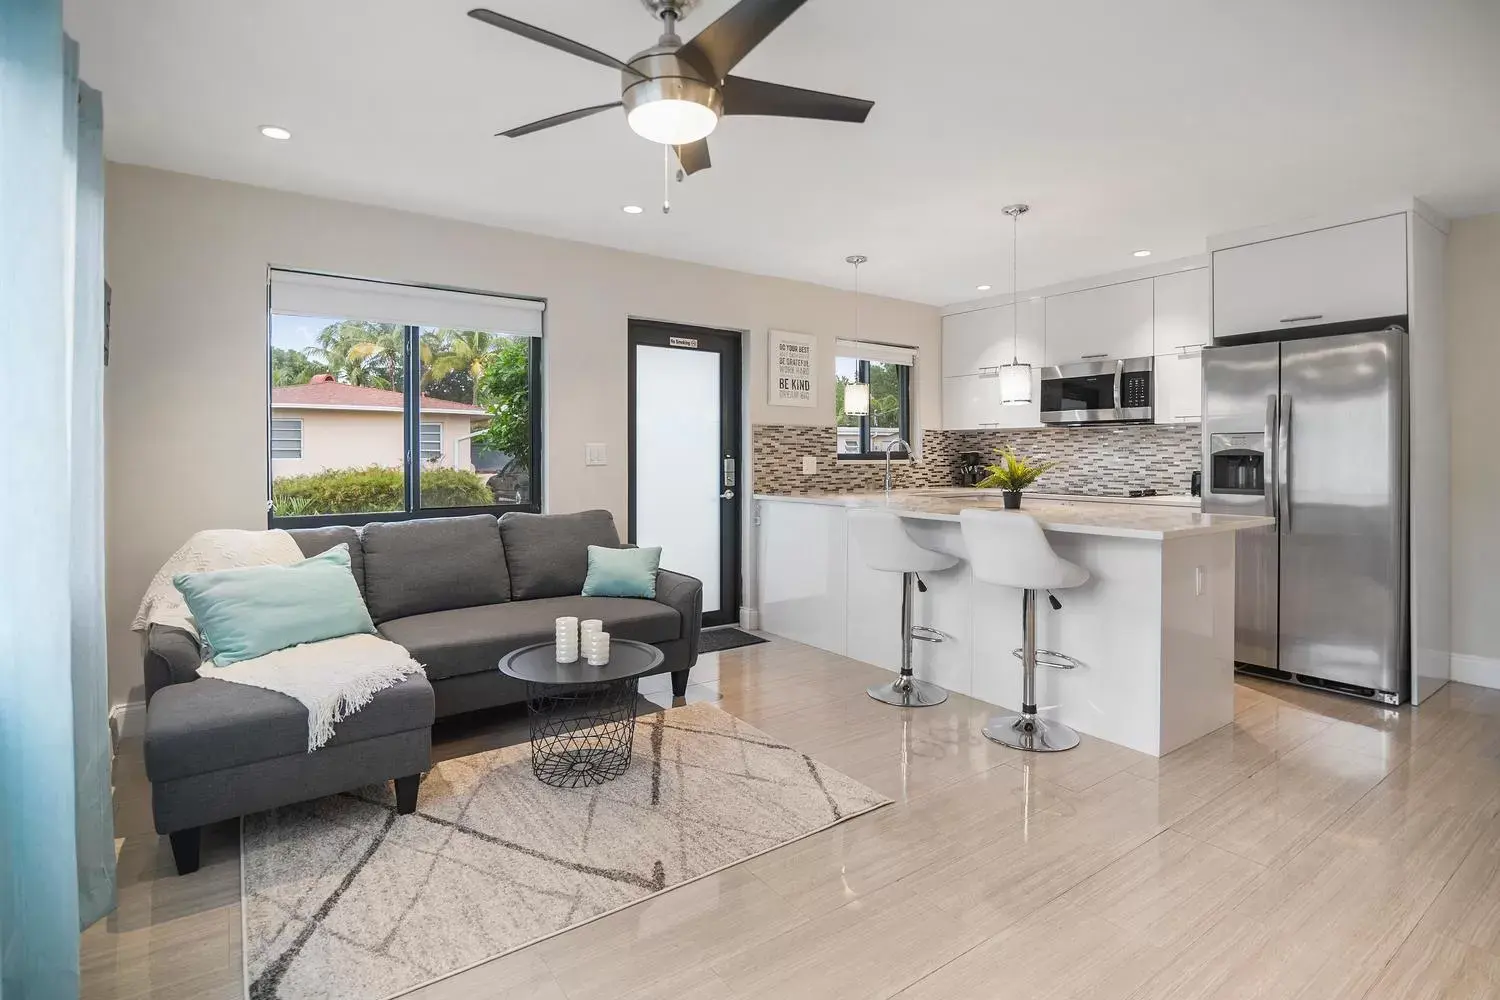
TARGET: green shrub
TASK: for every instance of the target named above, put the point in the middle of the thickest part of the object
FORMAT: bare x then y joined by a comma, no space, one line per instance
374,490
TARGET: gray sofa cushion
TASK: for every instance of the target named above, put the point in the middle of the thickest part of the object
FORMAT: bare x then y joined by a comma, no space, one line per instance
436,564
315,540
472,640
548,554
207,725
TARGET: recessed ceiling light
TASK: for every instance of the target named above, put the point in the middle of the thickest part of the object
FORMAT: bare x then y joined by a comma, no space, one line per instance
275,132
633,210
1142,253
981,288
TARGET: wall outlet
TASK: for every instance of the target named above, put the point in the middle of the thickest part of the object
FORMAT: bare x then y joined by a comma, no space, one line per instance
1198,576
809,465
595,453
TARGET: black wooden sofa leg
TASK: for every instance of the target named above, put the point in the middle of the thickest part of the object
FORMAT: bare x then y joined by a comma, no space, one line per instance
406,794
185,849
679,683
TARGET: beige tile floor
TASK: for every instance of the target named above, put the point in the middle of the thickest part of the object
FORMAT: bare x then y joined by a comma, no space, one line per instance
1319,848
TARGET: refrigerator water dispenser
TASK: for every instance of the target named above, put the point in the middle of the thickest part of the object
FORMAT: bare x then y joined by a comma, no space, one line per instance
1237,463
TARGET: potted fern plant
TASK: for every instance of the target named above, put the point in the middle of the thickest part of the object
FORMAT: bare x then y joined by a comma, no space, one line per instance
1013,475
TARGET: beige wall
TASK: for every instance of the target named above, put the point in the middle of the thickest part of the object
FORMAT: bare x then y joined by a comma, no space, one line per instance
186,393
353,439
1473,361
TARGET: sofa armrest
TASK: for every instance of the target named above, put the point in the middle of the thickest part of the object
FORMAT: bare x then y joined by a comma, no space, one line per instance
172,657
683,594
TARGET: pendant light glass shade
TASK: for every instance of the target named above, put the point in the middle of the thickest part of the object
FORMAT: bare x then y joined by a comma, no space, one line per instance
1015,385
1015,378
857,399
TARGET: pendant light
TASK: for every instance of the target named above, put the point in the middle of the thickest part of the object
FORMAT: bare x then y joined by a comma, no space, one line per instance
1015,378
856,394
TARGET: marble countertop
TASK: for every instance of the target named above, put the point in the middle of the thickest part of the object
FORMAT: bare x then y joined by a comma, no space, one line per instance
1092,516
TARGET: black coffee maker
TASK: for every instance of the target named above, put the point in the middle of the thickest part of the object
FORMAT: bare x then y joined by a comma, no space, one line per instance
971,468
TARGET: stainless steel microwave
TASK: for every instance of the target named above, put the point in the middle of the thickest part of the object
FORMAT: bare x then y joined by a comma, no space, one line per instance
1099,392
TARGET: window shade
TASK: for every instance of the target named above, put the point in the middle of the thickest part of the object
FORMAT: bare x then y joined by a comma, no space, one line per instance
299,293
881,353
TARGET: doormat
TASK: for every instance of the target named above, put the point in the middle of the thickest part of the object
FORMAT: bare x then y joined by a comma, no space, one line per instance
719,639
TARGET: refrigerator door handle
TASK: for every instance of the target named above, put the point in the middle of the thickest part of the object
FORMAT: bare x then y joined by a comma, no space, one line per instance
1268,477
1284,472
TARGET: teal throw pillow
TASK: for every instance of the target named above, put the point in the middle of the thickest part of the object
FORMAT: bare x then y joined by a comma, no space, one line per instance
244,613
621,572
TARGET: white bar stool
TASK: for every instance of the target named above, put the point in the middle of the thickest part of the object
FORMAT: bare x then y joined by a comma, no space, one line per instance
1009,549
886,546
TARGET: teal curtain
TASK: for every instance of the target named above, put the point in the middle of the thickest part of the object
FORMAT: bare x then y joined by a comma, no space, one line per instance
56,843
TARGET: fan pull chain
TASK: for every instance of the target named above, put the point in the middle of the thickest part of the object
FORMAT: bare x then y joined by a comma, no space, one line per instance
666,180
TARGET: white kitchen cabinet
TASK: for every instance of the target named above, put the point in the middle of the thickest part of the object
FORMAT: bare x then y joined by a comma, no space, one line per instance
972,402
1184,310
1115,321
1356,271
1179,387
973,341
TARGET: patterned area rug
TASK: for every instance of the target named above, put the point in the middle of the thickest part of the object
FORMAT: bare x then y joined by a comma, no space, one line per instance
344,899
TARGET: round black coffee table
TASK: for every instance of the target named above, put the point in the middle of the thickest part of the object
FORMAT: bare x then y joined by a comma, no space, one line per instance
582,717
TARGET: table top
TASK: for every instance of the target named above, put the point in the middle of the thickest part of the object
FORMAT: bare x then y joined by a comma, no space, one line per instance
538,664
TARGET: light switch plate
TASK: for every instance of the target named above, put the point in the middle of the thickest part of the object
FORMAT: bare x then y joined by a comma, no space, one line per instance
809,465
594,453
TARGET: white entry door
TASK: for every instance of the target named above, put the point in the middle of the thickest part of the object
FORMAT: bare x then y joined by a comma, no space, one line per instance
684,456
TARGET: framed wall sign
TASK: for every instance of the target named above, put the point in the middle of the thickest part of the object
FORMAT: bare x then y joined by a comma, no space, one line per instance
793,379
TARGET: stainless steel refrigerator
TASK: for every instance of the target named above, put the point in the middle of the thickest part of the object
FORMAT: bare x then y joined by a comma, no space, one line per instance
1313,432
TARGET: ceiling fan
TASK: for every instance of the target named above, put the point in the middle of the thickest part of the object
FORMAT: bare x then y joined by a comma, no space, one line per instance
674,93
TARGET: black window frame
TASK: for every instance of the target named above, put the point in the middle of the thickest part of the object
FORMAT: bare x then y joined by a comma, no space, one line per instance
412,446
866,452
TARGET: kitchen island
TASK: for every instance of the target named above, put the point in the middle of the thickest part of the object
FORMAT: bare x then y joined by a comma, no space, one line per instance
1153,627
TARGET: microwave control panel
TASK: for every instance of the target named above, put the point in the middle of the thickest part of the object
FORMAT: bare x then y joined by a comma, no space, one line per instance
1135,389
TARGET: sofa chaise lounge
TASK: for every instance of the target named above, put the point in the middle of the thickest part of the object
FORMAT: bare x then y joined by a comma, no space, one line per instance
459,593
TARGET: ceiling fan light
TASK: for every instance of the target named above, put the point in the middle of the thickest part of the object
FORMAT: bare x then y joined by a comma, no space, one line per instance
672,122
1015,385
857,399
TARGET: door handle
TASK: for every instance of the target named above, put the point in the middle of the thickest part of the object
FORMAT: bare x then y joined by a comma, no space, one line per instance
1269,470
1302,319
1093,357
1119,382
1284,477
727,495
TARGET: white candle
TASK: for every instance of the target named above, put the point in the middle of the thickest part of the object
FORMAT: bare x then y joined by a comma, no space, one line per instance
598,653
567,640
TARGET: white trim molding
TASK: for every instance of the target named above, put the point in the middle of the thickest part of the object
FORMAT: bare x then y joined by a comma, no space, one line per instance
126,721
1482,671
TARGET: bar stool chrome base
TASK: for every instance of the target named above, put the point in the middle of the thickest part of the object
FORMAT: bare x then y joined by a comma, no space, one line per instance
1022,731
908,692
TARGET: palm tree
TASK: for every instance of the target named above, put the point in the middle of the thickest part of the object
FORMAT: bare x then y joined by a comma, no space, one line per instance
467,351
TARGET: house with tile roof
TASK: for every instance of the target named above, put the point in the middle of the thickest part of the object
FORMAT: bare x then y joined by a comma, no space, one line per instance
326,424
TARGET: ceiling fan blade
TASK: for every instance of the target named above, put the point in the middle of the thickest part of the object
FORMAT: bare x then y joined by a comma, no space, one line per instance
546,37
562,119
756,97
719,47
694,157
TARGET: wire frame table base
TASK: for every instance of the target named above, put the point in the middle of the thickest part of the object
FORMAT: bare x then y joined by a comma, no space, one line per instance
583,734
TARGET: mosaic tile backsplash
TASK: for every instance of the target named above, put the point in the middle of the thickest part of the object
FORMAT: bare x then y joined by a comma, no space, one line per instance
1095,460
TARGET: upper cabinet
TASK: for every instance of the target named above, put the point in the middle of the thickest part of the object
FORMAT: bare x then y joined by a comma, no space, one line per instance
1351,272
1114,321
1184,311
973,341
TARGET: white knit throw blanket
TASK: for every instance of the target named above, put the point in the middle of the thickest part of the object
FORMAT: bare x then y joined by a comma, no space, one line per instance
333,679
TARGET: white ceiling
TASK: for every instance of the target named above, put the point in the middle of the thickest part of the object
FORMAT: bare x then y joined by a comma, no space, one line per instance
1146,124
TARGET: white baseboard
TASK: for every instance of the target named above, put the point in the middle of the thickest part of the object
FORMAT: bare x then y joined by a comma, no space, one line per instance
1479,670
127,720
749,619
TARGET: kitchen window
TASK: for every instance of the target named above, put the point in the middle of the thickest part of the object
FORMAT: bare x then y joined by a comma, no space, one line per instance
887,371
392,401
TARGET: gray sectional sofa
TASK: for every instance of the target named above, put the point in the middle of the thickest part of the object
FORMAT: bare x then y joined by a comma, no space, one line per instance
459,593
